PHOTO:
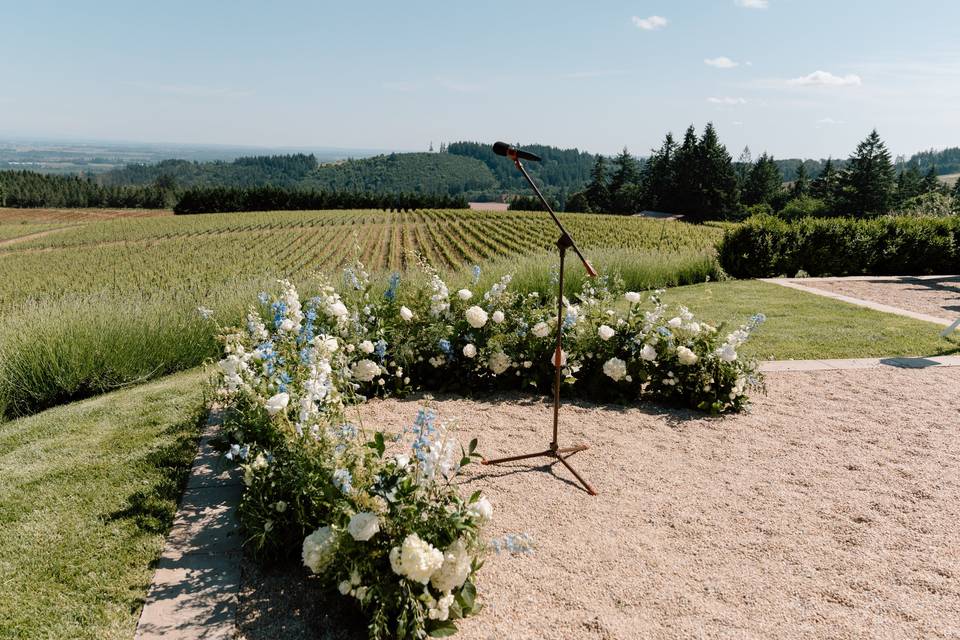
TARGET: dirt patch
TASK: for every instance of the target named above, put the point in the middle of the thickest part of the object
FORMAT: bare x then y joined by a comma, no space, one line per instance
939,297
829,510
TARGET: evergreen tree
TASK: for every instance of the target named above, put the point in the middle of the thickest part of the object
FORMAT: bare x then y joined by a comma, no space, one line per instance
909,183
868,181
744,164
930,184
658,178
624,184
801,183
598,192
719,194
686,184
956,189
763,183
826,186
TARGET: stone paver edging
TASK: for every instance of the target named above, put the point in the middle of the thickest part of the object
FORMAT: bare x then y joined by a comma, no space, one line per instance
876,306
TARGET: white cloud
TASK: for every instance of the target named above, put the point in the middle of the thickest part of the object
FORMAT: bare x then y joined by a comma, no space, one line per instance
721,62
729,100
752,4
650,24
826,79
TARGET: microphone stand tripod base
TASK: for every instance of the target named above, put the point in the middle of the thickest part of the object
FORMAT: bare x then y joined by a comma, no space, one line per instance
557,453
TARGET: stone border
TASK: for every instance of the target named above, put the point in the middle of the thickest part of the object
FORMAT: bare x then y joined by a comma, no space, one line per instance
196,587
876,306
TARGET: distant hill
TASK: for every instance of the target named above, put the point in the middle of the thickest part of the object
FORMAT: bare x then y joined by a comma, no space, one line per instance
435,173
946,161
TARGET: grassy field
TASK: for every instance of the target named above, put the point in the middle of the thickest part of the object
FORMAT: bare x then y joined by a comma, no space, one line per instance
87,494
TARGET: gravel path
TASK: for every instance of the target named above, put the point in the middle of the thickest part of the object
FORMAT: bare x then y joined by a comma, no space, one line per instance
938,297
829,510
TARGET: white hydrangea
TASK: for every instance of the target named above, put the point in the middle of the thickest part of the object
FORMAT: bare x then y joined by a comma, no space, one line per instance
605,332
648,353
499,362
363,526
406,314
439,609
482,510
497,316
632,297
464,294
727,353
365,370
469,351
541,330
455,569
277,403
415,559
686,356
675,323
319,548
476,317
615,368
440,300
366,346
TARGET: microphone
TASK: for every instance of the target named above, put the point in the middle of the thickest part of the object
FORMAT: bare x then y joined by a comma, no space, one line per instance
503,149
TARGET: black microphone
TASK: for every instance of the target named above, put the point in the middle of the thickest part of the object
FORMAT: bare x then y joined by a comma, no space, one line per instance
503,149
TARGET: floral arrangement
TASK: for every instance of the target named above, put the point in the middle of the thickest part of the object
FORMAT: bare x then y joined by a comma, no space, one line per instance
379,517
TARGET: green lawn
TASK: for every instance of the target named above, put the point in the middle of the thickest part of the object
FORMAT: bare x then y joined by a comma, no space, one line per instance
87,495
806,326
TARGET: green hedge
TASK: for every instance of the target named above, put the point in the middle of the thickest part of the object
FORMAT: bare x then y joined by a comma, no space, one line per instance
766,246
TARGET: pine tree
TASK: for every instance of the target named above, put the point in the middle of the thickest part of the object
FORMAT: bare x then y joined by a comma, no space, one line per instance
909,183
658,177
868,180
744,164
624,187
763,183
598,192
686,184
930,184
719,194
801,183
956,189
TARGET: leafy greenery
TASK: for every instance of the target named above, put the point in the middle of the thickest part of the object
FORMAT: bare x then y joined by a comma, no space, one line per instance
30,189
765,246
87,495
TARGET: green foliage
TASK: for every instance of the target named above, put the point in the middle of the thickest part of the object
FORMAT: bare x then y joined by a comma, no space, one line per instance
419,173
804,207
598,191
765,246
763,184
868,179
30,189
928,205
801,183
946,160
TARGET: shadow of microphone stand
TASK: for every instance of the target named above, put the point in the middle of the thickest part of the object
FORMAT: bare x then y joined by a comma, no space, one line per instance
564,242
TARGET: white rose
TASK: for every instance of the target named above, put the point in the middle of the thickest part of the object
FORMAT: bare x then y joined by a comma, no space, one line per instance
615,368
482,510
277,403
499,362
648,352
406,314
318,548
365,370
455,569
605,332
498,316
727,353
675,323
469,350
476,317
686,356
694,327
338,310
363,526
464,294
416,559
366,346
541,329
632,297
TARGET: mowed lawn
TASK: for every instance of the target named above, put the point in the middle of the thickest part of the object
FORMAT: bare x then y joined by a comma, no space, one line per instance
807,326
87,495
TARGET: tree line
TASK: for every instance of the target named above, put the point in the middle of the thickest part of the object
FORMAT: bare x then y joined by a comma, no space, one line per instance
267,198
698,178
31,189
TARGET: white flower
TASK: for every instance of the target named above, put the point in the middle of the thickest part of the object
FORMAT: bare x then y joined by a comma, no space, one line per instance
497,316
469,350
632,297
648,353
406,314
440,609
694,327
727,353
563,358
366,346
363,526
482,510
416,559
499,362
615,368
365,370
337,309
455,569
476,317
287,325
277,403
541,329
686,356
319,548
675,323
605,332
464,294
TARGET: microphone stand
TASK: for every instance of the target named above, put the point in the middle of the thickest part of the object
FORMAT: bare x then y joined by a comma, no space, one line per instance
563,243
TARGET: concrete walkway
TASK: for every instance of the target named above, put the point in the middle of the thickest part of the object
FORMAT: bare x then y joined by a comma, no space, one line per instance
195,588
773,366
877,306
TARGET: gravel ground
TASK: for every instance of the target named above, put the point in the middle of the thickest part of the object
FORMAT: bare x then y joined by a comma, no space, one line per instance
829,510
939,297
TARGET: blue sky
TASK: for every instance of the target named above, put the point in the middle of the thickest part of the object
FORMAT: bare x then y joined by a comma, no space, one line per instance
796,77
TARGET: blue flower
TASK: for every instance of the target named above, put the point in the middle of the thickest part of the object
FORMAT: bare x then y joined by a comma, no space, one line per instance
263,297
343,480
476,273
391,293
380,348
444,345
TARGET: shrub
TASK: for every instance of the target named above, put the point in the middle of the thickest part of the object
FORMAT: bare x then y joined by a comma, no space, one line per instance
804,207
928,205
764,246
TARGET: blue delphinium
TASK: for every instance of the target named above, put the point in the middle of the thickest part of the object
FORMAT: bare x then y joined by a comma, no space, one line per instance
380,348
391,293
476,273
343,480
444,345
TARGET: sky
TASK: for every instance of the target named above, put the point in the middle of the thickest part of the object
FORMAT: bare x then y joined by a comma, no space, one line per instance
796,78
